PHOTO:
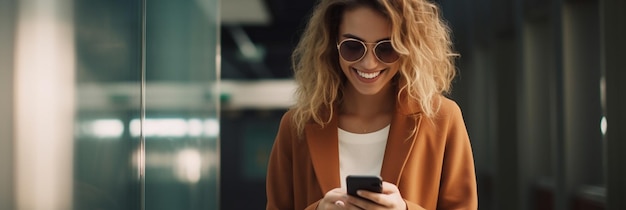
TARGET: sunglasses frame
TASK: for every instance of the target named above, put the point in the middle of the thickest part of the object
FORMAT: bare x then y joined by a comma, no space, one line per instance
365,45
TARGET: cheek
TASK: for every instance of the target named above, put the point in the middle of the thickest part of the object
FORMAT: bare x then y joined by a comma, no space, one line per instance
395,68
345,67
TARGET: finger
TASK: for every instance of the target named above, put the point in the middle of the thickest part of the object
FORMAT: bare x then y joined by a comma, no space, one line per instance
336,191
373,197
349,205
389,188
359,203
335,194
335,199
340,203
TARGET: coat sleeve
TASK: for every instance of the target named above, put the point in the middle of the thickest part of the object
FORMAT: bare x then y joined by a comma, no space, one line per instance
458,178
279,181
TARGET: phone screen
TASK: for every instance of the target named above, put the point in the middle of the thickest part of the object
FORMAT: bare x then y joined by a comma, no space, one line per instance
358,182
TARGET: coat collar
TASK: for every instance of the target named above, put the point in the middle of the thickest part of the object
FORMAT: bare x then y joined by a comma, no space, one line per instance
324,148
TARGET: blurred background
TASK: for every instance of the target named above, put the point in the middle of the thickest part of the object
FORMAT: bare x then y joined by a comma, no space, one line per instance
156,104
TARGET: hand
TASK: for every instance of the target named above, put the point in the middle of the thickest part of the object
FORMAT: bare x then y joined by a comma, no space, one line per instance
334,199
390,198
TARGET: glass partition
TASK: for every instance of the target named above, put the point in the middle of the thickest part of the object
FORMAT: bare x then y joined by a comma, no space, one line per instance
108,84
181,122
109,104
146,128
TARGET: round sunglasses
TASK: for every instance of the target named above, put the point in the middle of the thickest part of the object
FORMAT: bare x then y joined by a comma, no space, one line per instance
353,50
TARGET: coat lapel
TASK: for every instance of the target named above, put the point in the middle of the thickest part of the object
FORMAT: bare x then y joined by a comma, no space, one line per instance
399,145
400,140
324,151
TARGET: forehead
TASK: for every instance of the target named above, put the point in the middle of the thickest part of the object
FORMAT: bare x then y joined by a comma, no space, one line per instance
365,23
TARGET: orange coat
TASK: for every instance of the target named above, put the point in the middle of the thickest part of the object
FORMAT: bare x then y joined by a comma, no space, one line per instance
433,169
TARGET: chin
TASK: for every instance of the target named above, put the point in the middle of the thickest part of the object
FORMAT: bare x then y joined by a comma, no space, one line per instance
369,91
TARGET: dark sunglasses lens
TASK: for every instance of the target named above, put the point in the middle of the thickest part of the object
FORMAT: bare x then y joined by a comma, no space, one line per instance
351,50
386,53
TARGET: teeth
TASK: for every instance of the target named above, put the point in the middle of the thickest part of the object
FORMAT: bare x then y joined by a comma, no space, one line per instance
368,75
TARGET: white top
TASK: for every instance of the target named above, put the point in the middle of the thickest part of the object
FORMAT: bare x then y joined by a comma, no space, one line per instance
361,154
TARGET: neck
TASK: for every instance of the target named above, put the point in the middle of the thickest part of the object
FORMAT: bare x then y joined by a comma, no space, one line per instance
355,103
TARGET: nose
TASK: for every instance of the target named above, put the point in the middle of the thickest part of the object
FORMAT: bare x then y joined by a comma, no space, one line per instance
369,61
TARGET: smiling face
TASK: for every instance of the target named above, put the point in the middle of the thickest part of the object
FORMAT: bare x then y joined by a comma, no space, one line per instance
369,75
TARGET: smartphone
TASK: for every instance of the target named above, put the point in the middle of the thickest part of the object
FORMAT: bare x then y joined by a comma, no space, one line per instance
361,182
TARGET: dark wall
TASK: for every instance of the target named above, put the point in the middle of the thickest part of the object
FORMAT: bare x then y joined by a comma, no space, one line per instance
247,137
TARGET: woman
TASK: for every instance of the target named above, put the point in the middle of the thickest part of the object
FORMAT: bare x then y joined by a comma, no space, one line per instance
371,78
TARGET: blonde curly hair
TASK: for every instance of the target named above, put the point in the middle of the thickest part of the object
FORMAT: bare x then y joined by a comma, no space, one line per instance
419,35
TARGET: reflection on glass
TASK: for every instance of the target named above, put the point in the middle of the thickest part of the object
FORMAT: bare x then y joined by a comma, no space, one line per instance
188,166
102,128
175,127
180,127
108,44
